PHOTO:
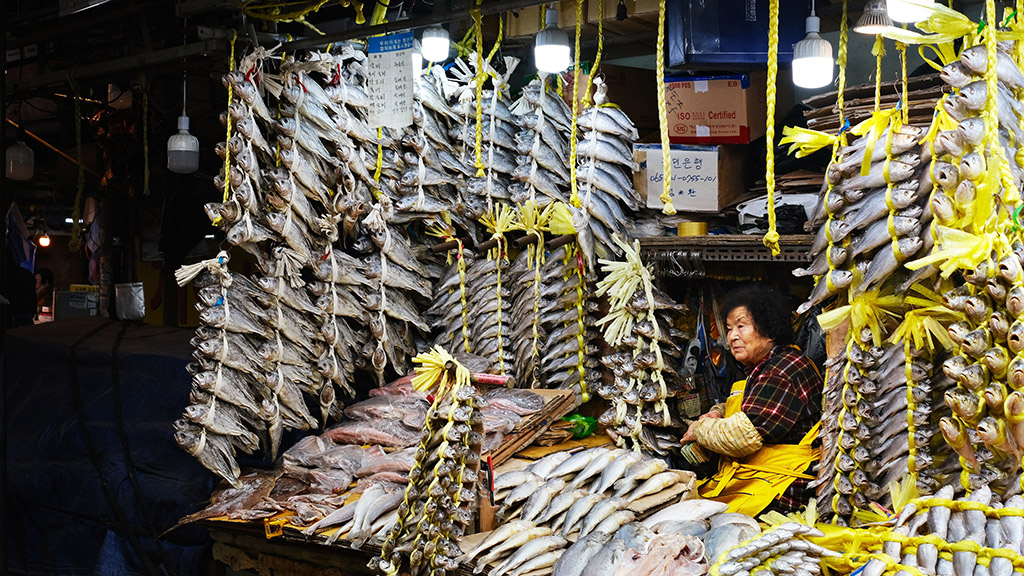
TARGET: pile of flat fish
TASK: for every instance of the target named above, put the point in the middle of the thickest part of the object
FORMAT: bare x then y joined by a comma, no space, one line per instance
436,506
638,327
581,492
505,409
869,427
684,538
604,172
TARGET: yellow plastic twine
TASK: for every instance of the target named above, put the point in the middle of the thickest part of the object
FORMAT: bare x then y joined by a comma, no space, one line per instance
227,150
878,50
480,77
771,239
447,233
499,221
574,197
666,156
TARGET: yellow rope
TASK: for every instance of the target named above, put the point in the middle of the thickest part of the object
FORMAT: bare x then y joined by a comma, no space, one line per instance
905,107
771,239
480,76
878,50
666,157
844,35
227,150
574,197
380,158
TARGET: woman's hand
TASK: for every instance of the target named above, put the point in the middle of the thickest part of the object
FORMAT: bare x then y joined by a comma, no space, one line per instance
688,437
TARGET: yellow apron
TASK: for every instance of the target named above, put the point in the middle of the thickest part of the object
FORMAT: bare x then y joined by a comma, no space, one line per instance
751,483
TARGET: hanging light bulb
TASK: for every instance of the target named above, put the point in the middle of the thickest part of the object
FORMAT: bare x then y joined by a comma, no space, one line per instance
910,11
435,44
874,20
20,161
183,147
44,240
551,52
812,57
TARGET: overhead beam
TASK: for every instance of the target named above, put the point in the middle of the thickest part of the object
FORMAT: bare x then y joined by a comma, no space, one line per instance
120,65
438,17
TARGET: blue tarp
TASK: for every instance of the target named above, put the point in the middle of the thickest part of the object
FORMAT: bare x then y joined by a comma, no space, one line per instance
72,507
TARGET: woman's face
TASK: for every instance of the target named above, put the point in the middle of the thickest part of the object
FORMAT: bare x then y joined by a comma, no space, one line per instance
747,345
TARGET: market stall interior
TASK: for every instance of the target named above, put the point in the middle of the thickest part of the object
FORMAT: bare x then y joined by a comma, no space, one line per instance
513,287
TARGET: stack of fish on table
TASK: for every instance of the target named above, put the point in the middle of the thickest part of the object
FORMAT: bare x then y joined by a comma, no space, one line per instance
639,327
572,531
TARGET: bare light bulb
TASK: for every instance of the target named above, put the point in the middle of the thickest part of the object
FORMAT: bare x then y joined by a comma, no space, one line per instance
910,11
812,58
183,150
435,44
44,241
551,51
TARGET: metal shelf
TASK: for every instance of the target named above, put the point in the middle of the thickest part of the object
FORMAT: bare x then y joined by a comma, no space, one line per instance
691,251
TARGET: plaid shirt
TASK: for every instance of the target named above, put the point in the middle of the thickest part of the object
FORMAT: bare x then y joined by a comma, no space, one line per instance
782,399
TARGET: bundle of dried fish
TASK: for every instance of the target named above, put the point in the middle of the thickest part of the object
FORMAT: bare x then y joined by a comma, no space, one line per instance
639,325
541,174
604,172
435,508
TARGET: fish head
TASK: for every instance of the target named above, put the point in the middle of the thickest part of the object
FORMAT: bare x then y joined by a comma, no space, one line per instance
973,95
212,316
1013,406
952,431
1015,301
998,323
978,306
909,246
989,431
1010,268
195,413
904,226
955,75
269,410
974,378
971,130
965,193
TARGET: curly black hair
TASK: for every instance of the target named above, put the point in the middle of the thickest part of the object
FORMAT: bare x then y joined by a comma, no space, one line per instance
770,310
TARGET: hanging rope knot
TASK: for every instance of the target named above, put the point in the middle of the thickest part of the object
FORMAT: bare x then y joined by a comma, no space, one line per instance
215,265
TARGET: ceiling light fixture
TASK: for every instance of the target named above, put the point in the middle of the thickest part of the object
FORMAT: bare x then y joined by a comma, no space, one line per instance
20,161
435,44
551,52
910,11
874,20
812,56
183,147
44,240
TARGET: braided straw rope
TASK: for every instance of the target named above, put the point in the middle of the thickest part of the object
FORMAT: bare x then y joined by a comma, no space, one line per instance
771,238
666,157
574,198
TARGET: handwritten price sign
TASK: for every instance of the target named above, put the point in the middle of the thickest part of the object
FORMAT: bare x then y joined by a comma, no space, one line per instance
389,80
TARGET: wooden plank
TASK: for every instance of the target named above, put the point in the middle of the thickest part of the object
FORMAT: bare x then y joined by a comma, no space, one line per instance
727,240
557,403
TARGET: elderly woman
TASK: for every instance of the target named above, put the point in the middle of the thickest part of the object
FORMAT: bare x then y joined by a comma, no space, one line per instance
765,429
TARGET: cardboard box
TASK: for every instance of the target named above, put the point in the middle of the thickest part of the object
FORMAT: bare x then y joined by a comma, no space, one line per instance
529,21
705,179
716,109
67,304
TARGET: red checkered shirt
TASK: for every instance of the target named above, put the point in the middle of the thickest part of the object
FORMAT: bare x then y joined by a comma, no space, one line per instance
782,399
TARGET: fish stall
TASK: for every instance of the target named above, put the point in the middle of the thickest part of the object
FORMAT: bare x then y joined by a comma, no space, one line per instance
430,299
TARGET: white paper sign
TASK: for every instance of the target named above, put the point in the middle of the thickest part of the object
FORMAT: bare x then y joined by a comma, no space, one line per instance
389,80
694,177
